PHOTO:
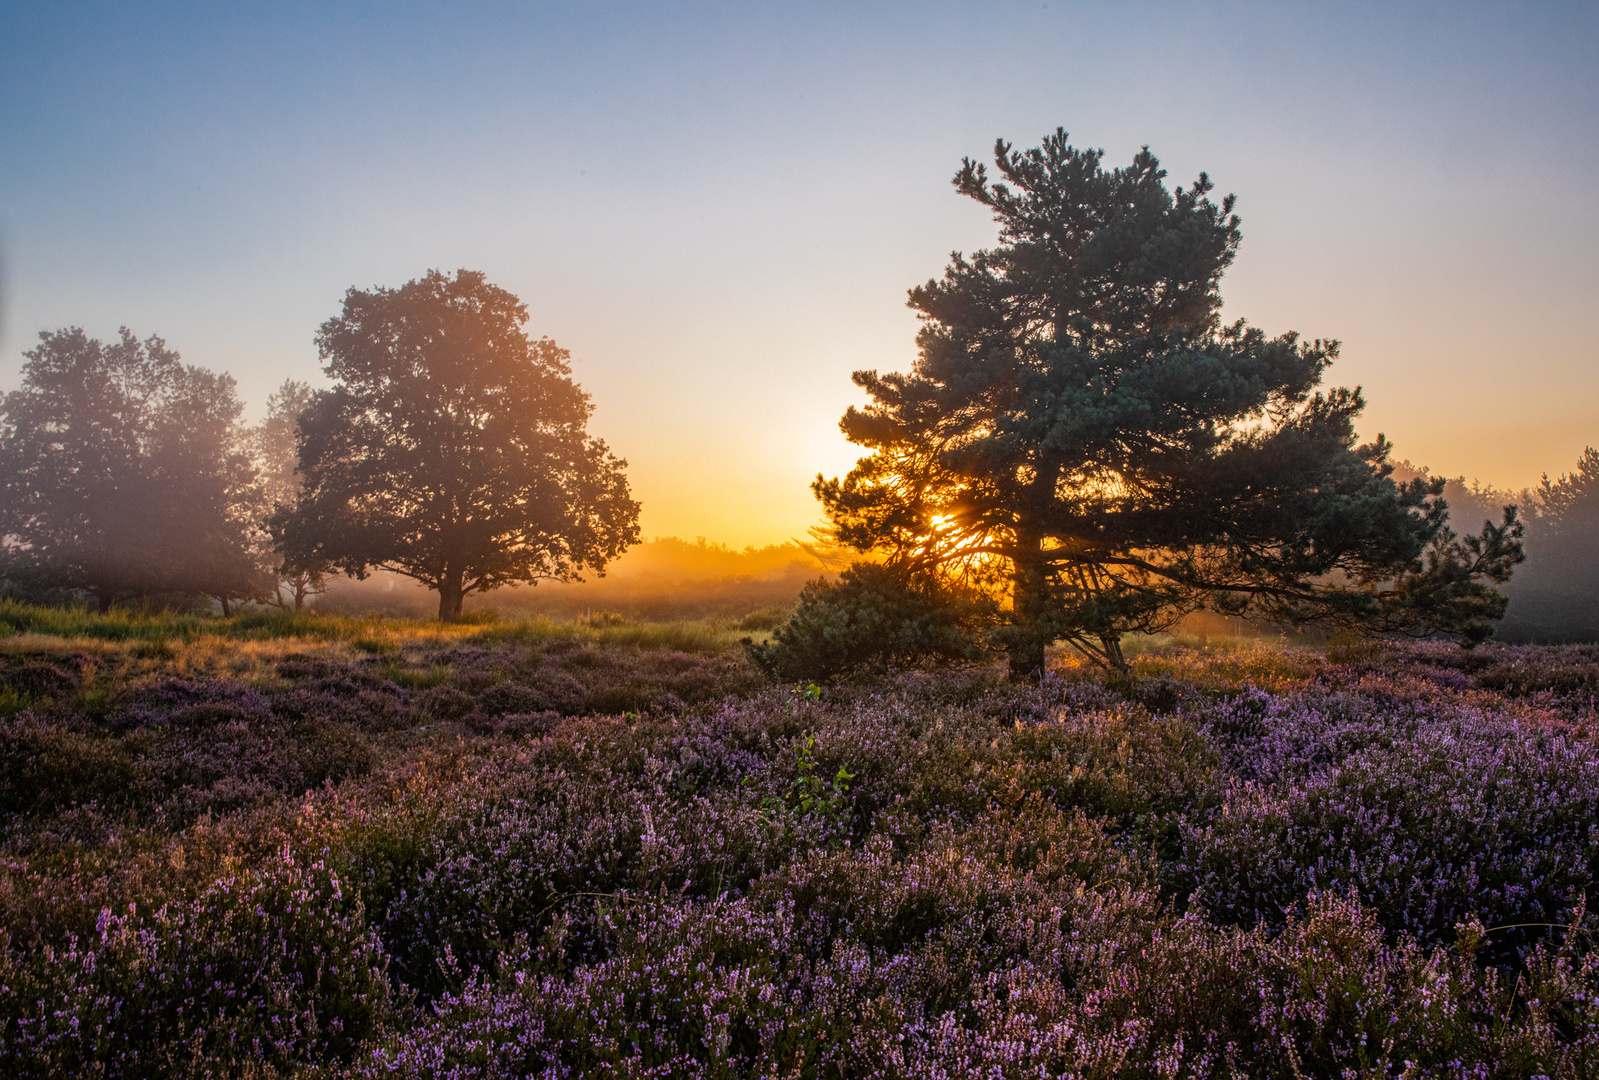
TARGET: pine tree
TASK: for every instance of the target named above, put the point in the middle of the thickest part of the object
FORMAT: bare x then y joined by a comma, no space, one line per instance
1082,432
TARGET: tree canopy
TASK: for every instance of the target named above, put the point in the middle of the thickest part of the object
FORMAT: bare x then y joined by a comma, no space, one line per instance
121,475
1081,432
452,448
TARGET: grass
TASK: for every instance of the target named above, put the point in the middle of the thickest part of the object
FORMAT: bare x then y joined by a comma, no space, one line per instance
487,627
127,647
167,627
706,636
174,636
123,649
1223,662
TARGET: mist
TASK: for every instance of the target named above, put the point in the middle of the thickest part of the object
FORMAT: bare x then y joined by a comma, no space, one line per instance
1554,595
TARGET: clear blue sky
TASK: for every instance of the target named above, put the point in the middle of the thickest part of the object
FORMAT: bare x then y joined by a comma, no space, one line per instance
718,209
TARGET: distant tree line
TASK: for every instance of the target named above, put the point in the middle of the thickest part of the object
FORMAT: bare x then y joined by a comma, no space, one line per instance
450,448
1554,596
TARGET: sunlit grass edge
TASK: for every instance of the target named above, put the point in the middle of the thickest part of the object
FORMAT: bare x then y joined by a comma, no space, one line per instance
367,633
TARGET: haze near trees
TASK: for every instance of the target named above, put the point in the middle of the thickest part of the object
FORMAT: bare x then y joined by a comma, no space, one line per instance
121,474
451,449
1083,438
276,445
1555,596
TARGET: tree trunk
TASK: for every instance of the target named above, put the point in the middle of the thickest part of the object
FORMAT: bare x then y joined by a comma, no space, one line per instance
1029,600
1112,644
103,597
1026,660
450,594
227,609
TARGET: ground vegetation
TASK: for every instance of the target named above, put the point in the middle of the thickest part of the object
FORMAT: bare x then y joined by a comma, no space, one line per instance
874,619
291,845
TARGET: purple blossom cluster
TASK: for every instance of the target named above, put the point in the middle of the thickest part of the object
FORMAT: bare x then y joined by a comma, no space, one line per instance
170,751
948,963
264,967
1431,811
1379,867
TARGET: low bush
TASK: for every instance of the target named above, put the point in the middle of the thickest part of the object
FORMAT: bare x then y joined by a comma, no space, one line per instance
263,967
872,620
46,767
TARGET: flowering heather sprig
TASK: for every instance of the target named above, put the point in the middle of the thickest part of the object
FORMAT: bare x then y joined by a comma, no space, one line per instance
181,701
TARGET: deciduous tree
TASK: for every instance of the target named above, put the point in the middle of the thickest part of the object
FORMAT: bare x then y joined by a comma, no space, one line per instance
275,444
121,474
452,448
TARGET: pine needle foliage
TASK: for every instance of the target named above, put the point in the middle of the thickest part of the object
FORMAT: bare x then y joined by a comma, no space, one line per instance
1082,435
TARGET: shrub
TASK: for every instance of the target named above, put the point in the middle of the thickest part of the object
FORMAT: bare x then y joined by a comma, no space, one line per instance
941,874
873,619
45,766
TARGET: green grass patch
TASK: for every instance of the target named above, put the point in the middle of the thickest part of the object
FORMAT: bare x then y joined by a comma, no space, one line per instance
416,678
12,701
159,635
166,626
20,618
378,644
693,637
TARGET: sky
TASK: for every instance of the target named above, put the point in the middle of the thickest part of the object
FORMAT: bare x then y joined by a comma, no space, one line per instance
719,208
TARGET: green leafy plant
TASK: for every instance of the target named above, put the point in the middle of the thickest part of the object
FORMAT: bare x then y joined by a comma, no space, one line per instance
810,795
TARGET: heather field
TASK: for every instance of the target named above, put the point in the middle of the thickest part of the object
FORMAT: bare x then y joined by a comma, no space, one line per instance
282,845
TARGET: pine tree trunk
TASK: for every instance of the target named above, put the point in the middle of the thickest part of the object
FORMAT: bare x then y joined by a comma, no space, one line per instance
103,597
1112,644
1028,612
1026,660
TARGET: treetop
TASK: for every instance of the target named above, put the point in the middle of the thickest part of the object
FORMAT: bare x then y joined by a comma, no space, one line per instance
1087,256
